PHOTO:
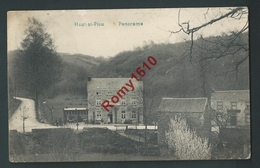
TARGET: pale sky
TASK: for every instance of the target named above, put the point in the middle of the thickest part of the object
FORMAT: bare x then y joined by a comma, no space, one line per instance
110,39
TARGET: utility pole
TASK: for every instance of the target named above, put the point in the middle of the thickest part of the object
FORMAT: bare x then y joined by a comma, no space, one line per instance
14,89
24,116
145,130
142,100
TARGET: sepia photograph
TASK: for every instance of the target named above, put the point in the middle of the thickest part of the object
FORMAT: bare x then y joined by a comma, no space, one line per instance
153,84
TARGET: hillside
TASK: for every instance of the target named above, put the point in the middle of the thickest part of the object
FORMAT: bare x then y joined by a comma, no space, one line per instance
80,59
176,74
76,68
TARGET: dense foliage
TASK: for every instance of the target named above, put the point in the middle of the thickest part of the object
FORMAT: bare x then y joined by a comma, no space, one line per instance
185,143
37,65
67,145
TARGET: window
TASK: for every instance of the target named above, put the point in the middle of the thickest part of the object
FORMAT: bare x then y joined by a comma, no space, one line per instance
98,115
233,119
133,101
109,93
133,114
122,114
219,105
98,93
98,102
233,105
248,106
123,102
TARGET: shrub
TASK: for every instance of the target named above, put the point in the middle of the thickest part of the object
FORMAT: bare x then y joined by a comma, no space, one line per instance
186,144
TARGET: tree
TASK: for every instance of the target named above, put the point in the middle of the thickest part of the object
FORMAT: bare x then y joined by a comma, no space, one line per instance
228,140
37,67
221,120
24,116
229,45
186,144
217,56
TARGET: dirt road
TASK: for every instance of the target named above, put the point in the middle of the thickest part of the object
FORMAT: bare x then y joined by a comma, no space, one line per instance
25,110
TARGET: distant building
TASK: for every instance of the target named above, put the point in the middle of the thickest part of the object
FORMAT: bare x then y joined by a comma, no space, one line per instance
236,103
129,108
195,110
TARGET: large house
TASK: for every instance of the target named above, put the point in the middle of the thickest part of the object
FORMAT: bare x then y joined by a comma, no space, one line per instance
235,103
195,110
115,100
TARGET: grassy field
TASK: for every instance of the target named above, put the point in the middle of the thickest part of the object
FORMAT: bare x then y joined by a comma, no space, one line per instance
93,144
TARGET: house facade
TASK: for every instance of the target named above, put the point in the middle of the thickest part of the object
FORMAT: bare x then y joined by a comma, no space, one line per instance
234,103
194,110
128,109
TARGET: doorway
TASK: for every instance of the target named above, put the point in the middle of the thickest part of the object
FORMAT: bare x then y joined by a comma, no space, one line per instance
110,118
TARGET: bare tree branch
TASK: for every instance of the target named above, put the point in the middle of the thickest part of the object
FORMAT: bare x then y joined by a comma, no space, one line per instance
185,26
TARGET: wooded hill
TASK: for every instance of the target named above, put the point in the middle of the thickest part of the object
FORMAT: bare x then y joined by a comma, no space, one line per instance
212,66
219,63
76,69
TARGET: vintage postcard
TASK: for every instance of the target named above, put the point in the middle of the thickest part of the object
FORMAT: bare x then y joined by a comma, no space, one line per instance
128,85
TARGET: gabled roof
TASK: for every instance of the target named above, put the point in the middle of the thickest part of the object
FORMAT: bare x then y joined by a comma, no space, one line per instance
231,95
180,105
110,83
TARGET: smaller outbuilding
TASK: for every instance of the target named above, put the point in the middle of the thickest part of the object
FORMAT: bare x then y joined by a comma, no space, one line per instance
72,115
195,110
